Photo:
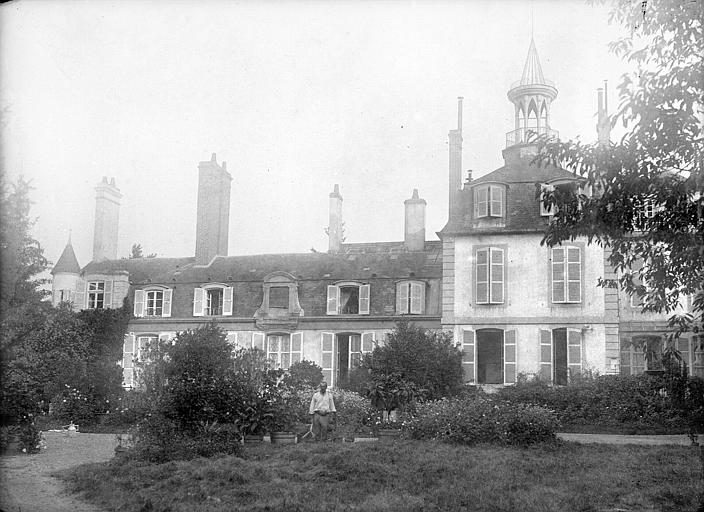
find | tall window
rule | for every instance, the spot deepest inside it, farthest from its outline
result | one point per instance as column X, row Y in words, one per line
column 213, row 300
column 155, row 303
column 283, row 350
column 410, row 298
column 640, row 354
column 98, row 295
column 488, row 201
column 490, row 276
column 348, row 299
column 566, row 275
column 152, row 302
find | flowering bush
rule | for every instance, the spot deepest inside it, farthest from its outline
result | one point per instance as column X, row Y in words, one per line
column 72, row 405
column 127, row 408
column 353, row 411
column 466, row 421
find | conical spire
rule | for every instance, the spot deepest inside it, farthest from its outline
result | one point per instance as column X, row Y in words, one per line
column 532, row 72
column 68, row 262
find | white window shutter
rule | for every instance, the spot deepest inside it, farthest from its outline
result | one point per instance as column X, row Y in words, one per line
column 401, row 298
column 327, row 348
column 296, row 347
column 138, row 303
column 198, row 295
column 333, row 294
column 510, row 354
column 81, row 295
column 468, row 356
column 574, row 352
column 417, row 298
column 546, row 355
column 368, row 342
column 496, row 285
column 364, row 292
column 128, row 351
column 227, row 301
column 482, row 276
column 166, row 303
column 558, row 271
column 258, row 340
column 107, row 297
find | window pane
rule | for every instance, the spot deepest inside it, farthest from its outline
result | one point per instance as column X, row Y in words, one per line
column 558, row 272
column 497, row 256
column 558, row 255
column 349, row 300
column 574, row 292
column 497, row 293
column 574, row 271
column 285, row 360
column 285, row 344
column 482, row 292
column 278, row 297
column 482, row 257
column 558, row 292
column 573, row 254
column 274, row 343
column 355, row 343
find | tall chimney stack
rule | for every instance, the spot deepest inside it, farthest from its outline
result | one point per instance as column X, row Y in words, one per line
column 107, row 216
column 603, row 125
column 335, row 223
column 213, row 218
column 414, row 232
column 455, row 181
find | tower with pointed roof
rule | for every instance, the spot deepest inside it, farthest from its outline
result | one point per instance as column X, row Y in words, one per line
column 66, row 276
column 531, row 97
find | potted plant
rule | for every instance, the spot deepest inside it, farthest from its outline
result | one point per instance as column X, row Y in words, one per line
column 284, row 413
column 252, row 419
column 389, row 394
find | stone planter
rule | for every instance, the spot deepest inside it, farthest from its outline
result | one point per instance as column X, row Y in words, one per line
column 253, row 438
column 388, row 434
column 283, row 437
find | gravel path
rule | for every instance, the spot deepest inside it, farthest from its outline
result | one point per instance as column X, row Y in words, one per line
column 680, row 439
column 27, row 484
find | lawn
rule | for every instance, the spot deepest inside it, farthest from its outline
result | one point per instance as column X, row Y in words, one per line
column 405, row 476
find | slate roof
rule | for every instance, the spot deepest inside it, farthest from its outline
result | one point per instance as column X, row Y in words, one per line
column 67, row 261
column 354, row 262
column 522, row 213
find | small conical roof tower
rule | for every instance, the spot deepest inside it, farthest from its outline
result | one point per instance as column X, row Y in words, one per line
column 68, row 263
column 531, row 97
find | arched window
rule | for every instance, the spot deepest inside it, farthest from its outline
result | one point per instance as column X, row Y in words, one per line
column 213, row 299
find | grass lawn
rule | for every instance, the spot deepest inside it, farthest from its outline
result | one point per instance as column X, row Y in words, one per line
column 405, row 476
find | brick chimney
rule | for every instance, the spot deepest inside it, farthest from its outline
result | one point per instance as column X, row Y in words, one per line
column 455, row 164
column 414, row 232
column 335, row 223
column 107, row 215
column 213, row 217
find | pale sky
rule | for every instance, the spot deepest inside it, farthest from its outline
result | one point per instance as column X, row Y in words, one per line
column 295, row 96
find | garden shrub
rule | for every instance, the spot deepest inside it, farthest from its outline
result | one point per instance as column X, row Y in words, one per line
column 160, row 439
column 303, row 374
column 72, row 406
column 352, row 412
column 626, row 403
column 472, row 421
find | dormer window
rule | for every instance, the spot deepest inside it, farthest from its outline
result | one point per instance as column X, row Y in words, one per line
column 348, row 299
column 488, row 201
column 212, row 300
column 152, row 302
column 279, row 297
column 410, row 298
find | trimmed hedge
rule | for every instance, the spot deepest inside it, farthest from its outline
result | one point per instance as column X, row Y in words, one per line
column 627, row 404
column 470, row 421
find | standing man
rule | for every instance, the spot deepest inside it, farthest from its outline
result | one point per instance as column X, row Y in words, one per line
column 321, row 406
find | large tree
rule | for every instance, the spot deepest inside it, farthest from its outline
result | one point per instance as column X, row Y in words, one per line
column 646, row 191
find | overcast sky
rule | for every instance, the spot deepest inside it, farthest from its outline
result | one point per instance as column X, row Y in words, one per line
column 295, row 96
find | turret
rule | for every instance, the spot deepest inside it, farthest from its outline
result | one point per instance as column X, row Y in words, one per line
column 66, row 276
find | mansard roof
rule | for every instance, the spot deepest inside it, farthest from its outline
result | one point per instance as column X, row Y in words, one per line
column 354, row 262
column 68, row 262
column 522, row 208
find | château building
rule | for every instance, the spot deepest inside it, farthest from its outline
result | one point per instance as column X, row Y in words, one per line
column 515, row 306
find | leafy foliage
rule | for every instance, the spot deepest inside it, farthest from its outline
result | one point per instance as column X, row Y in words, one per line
column 428, row 360
column 657, row 165
column 472, row 421
column 302, row 374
